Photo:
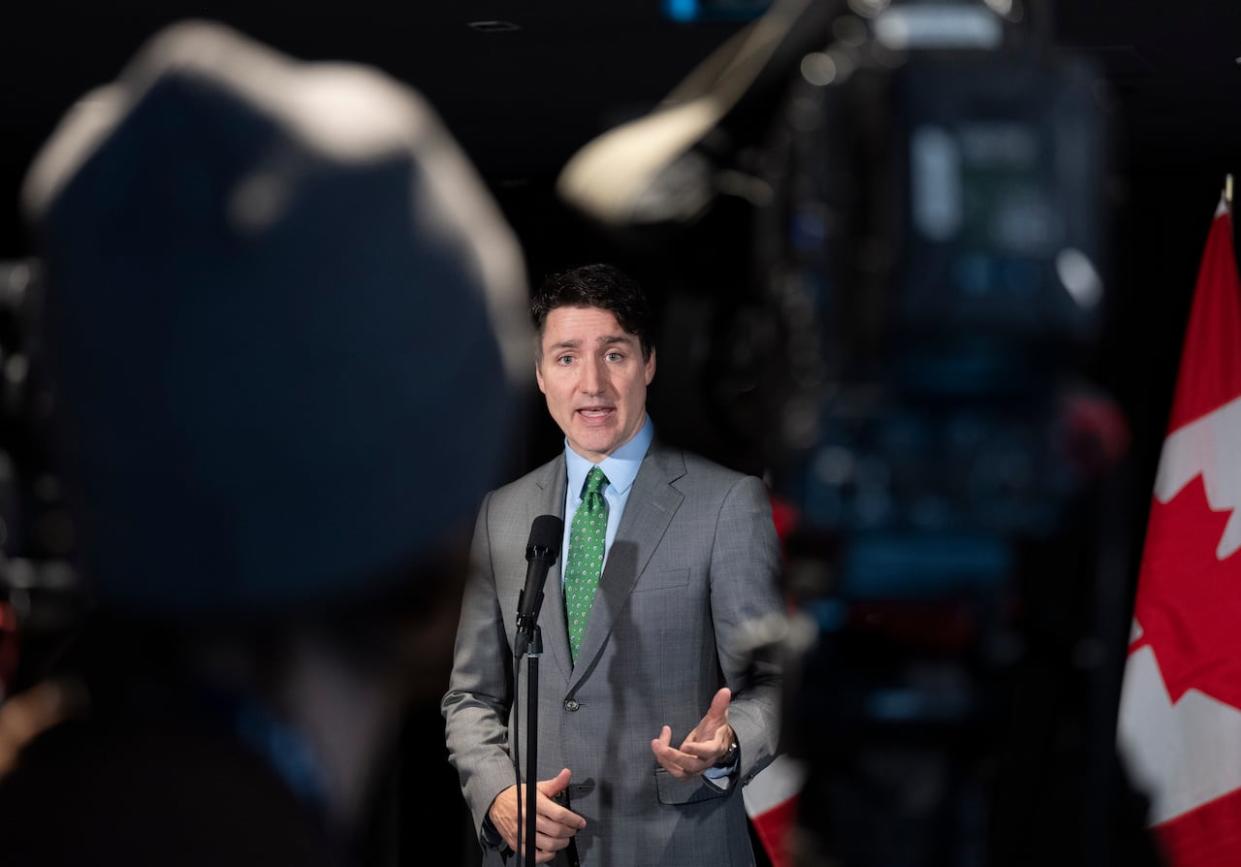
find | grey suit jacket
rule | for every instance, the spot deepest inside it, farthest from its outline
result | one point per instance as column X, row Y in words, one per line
column 690, row 573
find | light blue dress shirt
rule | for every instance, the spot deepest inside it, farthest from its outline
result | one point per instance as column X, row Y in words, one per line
column 621, row 467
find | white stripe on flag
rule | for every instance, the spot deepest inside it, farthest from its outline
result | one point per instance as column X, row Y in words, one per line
column 774, row 785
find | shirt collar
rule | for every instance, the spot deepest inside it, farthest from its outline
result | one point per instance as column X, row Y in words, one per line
column 621, row 467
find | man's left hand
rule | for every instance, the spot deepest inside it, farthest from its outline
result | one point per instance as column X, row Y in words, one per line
column 703, row 746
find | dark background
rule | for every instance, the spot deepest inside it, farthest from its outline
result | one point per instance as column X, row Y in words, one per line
column 522, row 100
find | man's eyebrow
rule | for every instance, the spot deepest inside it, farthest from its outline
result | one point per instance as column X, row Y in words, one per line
column 605, row 340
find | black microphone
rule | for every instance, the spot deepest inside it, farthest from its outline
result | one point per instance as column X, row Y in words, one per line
column 542, row 549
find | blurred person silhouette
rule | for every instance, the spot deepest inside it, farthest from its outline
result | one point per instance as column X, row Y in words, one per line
column 285, row 325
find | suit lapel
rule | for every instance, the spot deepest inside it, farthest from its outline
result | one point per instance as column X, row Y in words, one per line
column 651, row 505
column 550, row 501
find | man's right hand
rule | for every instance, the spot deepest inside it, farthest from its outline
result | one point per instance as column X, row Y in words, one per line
column 554, row 825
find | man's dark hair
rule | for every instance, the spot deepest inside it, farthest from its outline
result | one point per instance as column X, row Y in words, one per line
column 601, row 286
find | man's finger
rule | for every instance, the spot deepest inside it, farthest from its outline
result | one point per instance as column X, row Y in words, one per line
column 553, row 811
column 716, row 716
column 559, row 814
column 670, row 766
column 556, row 784
column 659, row 746
column 703, row 736
column 548, row 843
column 717, row 713
column 704, row 750
column 542, row 856
column 674, row 761
column 555, row 827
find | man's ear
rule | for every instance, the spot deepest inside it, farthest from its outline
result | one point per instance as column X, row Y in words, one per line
column 538, row 374
column 650, row 367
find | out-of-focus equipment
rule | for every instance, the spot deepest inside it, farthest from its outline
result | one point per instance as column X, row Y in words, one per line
column 925, row 189
column 40, row 591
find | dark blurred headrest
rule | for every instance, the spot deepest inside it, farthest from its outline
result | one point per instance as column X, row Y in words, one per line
column 286, row 323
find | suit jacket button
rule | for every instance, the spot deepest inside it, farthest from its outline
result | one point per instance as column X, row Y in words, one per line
column 571, row 705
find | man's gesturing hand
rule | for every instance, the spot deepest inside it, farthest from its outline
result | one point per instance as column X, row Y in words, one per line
column 554, row 825
column 703, row 746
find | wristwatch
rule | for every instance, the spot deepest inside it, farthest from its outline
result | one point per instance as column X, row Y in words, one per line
column 730, row 755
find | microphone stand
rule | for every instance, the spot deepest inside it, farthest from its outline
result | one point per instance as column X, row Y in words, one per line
column 529, row 642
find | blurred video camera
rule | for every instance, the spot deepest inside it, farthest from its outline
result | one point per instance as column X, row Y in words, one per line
column 935, row 251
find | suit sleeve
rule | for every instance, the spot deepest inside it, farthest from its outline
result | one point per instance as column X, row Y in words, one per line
column 746, row 610
column 476, row 706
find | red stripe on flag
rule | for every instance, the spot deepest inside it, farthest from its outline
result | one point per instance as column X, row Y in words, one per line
column 1207, row 836
column 773, row 828
column 1209, row 376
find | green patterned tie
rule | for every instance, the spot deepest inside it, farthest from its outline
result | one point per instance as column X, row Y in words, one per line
column 586, row 538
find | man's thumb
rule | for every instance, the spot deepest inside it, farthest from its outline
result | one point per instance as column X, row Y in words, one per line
column 556, row 784
column 717, row 713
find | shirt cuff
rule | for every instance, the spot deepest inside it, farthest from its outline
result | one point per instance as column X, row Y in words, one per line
column 723, row 778
column 491, row 837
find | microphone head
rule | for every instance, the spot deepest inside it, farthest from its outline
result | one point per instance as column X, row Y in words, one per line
column 546, row 533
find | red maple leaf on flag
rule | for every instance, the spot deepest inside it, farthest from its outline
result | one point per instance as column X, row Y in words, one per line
column 1189, row 601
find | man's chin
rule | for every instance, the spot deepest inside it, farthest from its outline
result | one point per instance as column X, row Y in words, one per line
column 602, row 448
column 596, row 430
column 594, row 446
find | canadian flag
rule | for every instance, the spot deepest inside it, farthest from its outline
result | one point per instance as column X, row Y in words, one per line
column 771, row 797
column 1180, row 709
column 771, row 803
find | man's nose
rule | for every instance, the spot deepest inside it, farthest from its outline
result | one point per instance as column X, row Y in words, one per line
column 594, row 377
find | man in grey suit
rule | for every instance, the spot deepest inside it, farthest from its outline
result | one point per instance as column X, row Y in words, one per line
column 659, row 693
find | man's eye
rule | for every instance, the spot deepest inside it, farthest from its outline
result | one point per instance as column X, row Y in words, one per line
column 564, row 360
column 615, row 356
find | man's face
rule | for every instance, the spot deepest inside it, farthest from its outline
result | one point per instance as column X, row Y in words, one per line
column 594, row 377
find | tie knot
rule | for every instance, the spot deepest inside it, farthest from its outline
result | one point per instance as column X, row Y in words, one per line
column 596, row 481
